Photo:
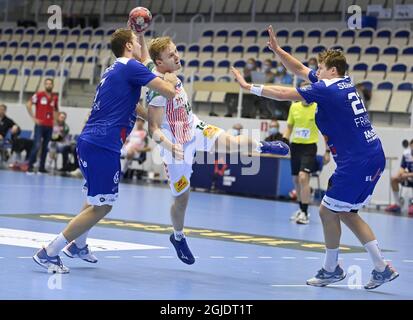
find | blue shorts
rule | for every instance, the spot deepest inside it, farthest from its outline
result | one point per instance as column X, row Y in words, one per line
column 352, row 184
column 100, row 168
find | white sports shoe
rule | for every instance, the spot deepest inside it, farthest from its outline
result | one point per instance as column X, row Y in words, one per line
column 73, row 251
column 324, row 278
column 52, row 264
column 295, row 215
column 302, row 218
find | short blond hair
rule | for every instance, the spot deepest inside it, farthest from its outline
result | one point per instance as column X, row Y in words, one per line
column 334, row 58
column 157, row 46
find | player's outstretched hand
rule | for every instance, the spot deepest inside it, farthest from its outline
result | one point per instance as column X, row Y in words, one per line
column 178, row 151
column 238, row 76
column 171, row 77
column 272, row 40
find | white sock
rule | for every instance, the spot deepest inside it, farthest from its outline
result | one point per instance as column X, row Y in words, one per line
column 373, row 249
column 331, row 260
column 179, row 235
column 54, row 247
column 396, row 197
column 81, row 240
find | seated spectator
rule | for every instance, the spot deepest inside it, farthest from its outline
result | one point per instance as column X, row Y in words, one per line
column 135, row 147
column 406, row 148
column 236, row 129
column 267, row 69
column 18, row 144
column 250, row 66
column 313, row 65
column 61, row 142
column 364, row 92
column 283, row 76
column 405, row 177
column 274, row 131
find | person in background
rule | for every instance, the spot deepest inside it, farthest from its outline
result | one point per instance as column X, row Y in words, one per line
column 46, row 103
column 6, row 124
column 250, row 66
column 274, row 131
column 406, row 148
column 135, row 147
column 404, row 176
column 236, row 129
column 365, row 92
column 60, row 142
column 303, row 129
column 282, row 76
column 267, row 69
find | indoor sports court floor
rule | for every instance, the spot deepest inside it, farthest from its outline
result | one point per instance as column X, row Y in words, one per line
column 246, row 248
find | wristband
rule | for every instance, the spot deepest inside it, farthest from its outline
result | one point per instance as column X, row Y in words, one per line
column 256, row 89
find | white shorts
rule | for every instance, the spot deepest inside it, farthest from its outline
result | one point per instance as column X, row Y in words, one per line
column 179, row 172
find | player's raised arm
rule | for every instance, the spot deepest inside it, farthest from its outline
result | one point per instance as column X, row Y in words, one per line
column 291, row 63
column 145, row 57
column 273, row 92
column 165, row 87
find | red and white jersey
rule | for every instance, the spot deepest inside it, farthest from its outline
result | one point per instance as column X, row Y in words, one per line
column 178, row 117
column 45, row 107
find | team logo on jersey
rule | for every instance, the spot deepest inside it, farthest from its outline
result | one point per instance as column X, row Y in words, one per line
column 181, row 184
column 43, row 100
column 210, row 131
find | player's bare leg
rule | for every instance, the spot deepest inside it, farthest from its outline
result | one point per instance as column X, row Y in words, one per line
column 178, row 239
column 330, row 272
column 297, row 187
column 305, row 192
column 178, row 210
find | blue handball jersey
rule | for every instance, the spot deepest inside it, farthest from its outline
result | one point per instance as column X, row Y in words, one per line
column 342, row 118
column 113, row 112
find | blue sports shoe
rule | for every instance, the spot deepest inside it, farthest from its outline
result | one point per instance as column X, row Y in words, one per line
column 378, row 278
column 52, row 264
column 324, row 278
column 274, row 147
column 182, row 250
column 73, row 251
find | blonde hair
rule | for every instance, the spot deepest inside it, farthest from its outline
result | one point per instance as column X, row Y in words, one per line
column 334, row 58
column 157, row 46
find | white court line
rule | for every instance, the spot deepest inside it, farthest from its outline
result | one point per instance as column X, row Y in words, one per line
column 112, row 257
column 24, row 257
column 408, row 261
column 165, row 257
column 289, row 258
column 264, row 257
column 139, row 257
column 388, row 260
column 312, row 258
column 240, row 257
column 360, row 259
column 308, row 286
column 1, row 257
column 216, row 257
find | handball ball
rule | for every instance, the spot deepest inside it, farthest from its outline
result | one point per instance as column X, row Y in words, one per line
column 139, row 19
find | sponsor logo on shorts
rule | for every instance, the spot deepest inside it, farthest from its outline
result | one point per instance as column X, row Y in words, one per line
column 116, row 177
column 181, row 184
column 210, row 131
column 102, row 199
column 83, row 163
